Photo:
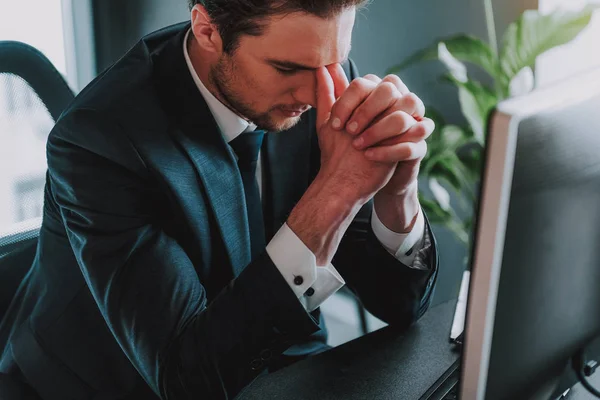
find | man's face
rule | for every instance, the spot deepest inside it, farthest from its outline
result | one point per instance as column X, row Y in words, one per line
column 270, row 79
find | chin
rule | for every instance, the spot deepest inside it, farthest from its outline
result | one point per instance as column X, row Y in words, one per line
column 281, row 124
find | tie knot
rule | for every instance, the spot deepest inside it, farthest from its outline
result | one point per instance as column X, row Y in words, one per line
column 247, row 146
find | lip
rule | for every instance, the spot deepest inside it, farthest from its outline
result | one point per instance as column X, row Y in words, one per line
column 294, row 112
column 291, row 113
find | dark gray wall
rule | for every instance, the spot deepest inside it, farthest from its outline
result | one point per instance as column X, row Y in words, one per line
column 120, row 24
column 386, row 32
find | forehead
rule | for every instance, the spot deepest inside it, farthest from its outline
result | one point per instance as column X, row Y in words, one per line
column 305, row 38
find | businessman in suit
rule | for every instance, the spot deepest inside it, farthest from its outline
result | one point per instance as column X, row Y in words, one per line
column 184, row 251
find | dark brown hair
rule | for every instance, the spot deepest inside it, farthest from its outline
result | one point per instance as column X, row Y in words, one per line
column 235, row 18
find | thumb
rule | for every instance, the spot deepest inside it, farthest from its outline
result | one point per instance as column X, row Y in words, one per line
column 325, row 95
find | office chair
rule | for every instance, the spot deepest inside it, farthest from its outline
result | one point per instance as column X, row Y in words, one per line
column 33, row 94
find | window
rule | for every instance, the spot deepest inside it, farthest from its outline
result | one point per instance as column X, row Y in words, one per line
column 575, row 57
column 24, row 120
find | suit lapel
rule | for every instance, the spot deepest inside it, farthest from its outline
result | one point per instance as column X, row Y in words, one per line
column 213, row 158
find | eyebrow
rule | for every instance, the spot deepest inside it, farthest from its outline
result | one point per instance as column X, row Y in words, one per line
column 291, row 65
column 294, row 65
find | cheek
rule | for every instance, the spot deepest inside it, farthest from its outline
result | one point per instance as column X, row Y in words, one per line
column 264, row 87
column 273, row 89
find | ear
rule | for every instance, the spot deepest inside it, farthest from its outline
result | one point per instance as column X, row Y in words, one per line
column 206, row 33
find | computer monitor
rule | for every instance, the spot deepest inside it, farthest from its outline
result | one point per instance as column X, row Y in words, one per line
column 534, row 296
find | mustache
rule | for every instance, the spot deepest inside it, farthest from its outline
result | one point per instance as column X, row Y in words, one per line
column 295, row 107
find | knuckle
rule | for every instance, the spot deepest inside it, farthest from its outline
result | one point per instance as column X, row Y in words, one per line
column 420, row 131
column 421, row 151
column 399, row 118
column 411, row 100
column 393, row 78
column 359, row 84
column 388, row 89
column 432, row 126
column 360, row 117
column 372, row 77
column 427, row 134
column 341, row 109
column 411, row 151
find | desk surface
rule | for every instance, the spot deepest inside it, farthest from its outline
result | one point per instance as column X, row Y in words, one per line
column 380, row 365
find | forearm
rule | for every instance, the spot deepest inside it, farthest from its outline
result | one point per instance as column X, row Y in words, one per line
column 321, row 218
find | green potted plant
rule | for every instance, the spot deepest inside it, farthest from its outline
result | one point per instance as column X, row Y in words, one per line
column 455, row 152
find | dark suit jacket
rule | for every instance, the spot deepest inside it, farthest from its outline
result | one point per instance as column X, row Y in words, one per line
column 143, row 283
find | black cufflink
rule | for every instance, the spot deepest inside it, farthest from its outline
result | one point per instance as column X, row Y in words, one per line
column 298, row 280
column 408, row 253
column 266, row 354
column 310, row 292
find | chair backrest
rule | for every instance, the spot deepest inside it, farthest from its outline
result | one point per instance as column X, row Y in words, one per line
column 33, row 94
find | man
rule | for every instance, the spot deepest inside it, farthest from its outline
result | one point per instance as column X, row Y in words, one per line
column 176, row 261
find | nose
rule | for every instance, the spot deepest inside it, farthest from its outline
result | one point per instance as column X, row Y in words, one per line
column 306, row 90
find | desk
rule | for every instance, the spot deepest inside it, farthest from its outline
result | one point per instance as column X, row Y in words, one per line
column 381, row 365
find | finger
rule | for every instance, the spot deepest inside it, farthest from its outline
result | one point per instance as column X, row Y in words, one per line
column 410, row 103
column 325, row 95
column 388, row 127
column 381, row 99
column 355, row 94
column 373, row 78
column 340, row 80
column 370, row 77
column 396, row 81
column 420, row 131
column 398, row 153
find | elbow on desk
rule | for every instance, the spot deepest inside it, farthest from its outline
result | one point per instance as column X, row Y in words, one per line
column 402, row 309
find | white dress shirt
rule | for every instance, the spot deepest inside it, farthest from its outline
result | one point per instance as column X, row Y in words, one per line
column 289, row 254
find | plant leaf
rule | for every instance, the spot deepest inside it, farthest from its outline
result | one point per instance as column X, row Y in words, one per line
column 440, row 194
column 457, row 69
column 533, row 34
column 435, row 213
column 463, row 47
column 522, row 83
column 436, row 116
column 427, row 54
column 438, row 216
column 476, row 102
column 471, row 156
column 434, row 143
column 446, row 169
column 453, row 137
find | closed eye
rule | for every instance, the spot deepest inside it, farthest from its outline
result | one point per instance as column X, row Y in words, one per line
column 285, row 71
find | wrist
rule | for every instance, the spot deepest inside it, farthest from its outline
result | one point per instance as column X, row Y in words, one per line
column 398, row 212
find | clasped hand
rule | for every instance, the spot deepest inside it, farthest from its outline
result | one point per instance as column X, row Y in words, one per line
column 371, row 131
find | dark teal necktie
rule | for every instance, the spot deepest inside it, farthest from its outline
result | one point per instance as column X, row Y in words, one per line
column 247, row 146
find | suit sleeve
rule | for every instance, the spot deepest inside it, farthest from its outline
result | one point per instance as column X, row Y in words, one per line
column 144, row 284
column 397, row 294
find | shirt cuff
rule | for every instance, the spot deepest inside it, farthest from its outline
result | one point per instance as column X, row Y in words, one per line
column 403, row 246
column 312, row 284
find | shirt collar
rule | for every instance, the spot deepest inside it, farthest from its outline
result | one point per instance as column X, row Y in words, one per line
column 230, row 124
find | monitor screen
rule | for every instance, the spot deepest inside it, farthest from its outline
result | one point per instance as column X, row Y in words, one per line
column 534, row 296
